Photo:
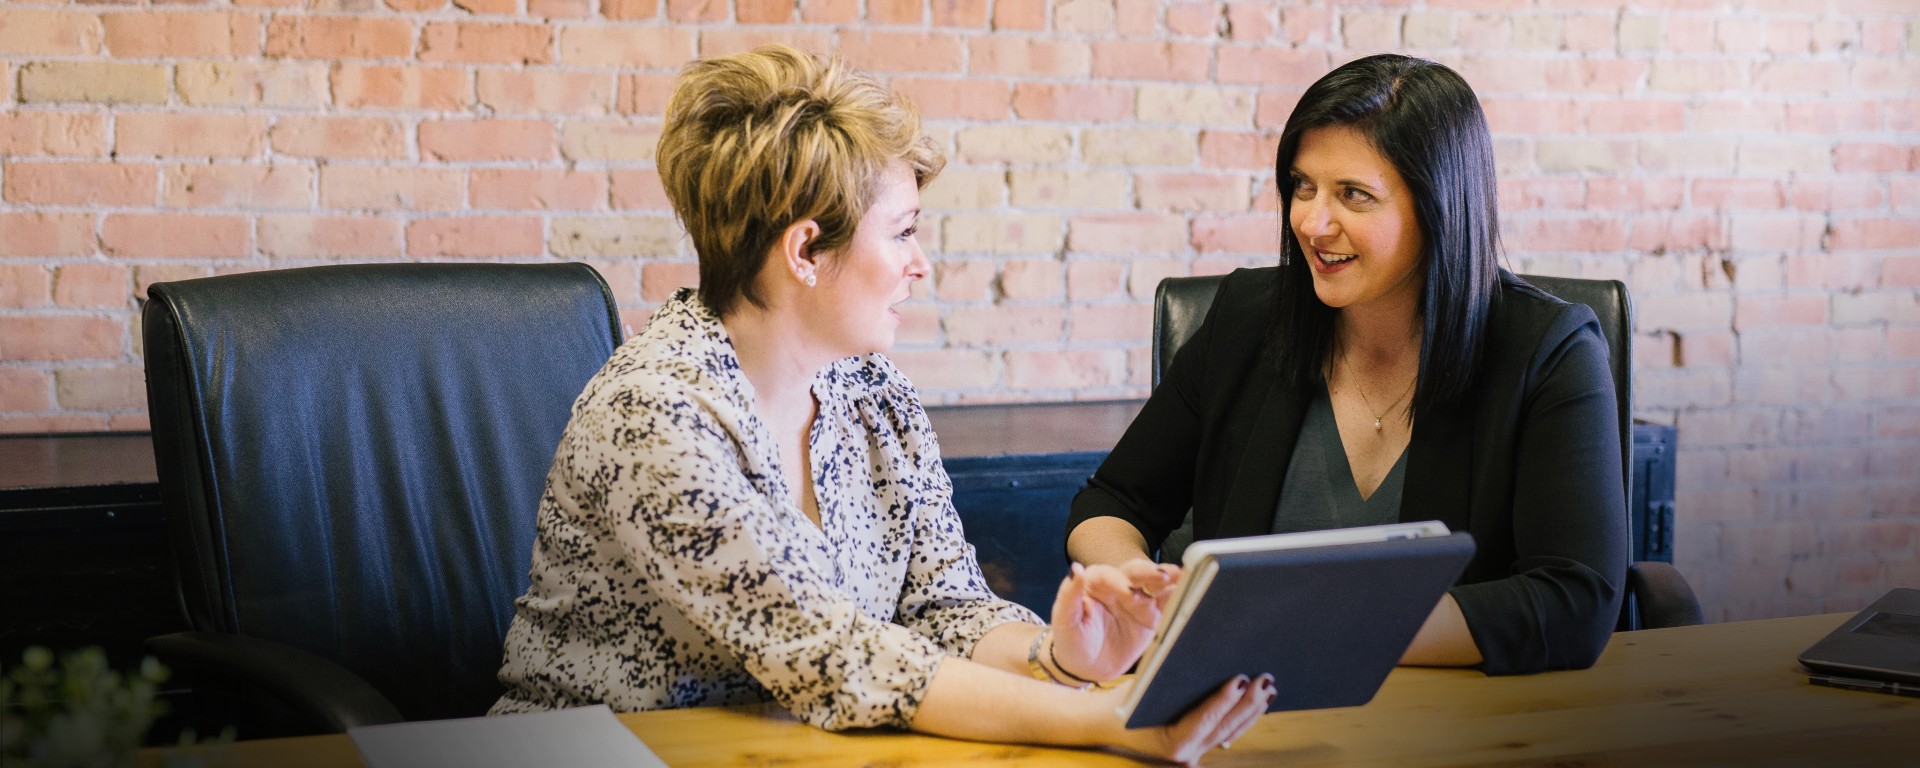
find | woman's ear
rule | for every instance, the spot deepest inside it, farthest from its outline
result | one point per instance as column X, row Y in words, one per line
column 797, row 252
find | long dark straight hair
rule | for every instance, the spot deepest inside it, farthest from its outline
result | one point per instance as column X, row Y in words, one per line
column 1426, row 121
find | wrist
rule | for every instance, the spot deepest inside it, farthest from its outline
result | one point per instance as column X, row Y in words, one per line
column 1053, row 658
column 1039, row 669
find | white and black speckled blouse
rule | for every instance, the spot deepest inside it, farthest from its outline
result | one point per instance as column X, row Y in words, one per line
column 671, row 568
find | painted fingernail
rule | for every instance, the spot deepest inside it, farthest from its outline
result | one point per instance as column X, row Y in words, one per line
column 1240, row 684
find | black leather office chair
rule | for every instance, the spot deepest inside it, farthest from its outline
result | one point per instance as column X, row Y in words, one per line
column 351, row 458
column 1657, row 595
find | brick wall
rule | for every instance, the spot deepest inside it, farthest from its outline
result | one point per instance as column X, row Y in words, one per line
column 1747, row 166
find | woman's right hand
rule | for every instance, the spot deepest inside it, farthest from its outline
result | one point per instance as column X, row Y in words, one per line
column 1215, row 722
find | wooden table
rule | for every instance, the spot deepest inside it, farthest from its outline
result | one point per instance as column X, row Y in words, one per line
column 1714, row 695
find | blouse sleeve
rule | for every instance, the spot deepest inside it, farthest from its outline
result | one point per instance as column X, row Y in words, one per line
column 681, row 507
column 946, row 596
column 1558, row 609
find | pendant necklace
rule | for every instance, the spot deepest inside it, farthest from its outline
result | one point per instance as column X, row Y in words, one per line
column 1369, row 403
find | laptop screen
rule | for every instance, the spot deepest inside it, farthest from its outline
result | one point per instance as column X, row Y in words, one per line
column 1895, row 625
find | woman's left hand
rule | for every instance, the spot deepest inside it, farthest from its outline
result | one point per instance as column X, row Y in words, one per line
column 1104, row 616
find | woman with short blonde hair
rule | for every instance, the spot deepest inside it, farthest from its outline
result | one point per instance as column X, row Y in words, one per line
column 748, row 502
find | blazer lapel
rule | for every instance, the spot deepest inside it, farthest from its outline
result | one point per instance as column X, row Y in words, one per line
column 1440, row 468
column 1255, row 490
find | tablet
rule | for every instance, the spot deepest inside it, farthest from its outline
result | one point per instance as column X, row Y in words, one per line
column 1878, row 649
column 1328, row 613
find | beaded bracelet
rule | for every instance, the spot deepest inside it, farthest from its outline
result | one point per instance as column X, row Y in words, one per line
column 1040, row 671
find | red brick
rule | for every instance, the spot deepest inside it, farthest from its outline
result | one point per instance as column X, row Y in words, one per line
column 1573, row 235
column 1521, row 194
column 960, row 13
column 1673, row 233
column 1900, row 272
column 1134, row 18
column 1028, row 57
column 48, row 32
column 63, row 134
column 476, row 236
column 1032, row 16
column 168, row 34
column 880, row 51
column 997, row 326
column 147, row 134
column 1072, row 101
column 1031, row 279
column 339, row 37
column 537, row 189
column 643, row 94
column 487, row 43
column 1111, row 322
column 97, row 184
column 1250, row 21
column 1240, row 233
column 252, row 186
column 109, row 388
column 697, row 10
column 1738, row 193
column 1150, row 60
column 1874, row 233
column 407, row 87
column 623, row 47
column 720, row 41
column 911, row 12
column 970, row 99
column 1851, row 157
column 338, row 137
column 1096, row 280
column 1825, row 195
column 40, row 233
column 24, row 286
column 25, row 389
column 1270, row 65
column 1532, row 116
column 963, row 279
column 329, row 237
column 93, row 286
column 488, row 6
column 1834, row 271
column 469, row 140
column 1128, row 233
column 1238, row 150
column 1903, row 343
column 937, row 369
column 1195, row 19
column 1179, row 191
column 637, row 189
column 560, row 9
column 764, row 11
column 1636, row 116
column 548, row 94
column 625, row 10
column 1066, row 369
column 658, row 280
column 175, row 235
column 392, row 188
column 1307, row 25
column 60, row 338
column 1830, row 116
column 1144, row 275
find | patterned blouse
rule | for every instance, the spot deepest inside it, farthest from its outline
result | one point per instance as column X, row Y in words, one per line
column 672, row 569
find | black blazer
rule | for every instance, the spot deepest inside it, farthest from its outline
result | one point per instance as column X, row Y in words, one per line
column 1530, row 465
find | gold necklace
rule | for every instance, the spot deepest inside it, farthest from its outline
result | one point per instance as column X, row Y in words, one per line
column 1369, row 403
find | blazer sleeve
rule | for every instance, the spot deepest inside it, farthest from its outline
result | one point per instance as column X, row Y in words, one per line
column 1558, row 608
column 1147, row 480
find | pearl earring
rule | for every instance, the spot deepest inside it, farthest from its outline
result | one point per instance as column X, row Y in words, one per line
column 811, row 280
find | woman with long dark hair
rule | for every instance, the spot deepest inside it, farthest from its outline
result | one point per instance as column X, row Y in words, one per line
column 1389, row 369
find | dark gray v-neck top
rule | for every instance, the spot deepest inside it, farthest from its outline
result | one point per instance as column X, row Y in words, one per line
column 1319, row 492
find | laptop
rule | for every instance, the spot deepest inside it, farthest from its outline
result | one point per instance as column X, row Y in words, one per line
column 1876, row 650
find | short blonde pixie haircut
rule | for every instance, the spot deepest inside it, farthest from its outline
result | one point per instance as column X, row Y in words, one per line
column 759, row 141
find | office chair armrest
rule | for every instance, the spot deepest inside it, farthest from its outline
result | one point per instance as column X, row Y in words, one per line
column 326, row 694
column 1665, row 598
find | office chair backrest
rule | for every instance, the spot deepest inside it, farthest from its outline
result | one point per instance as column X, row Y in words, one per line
column 1181, row 303
column 352, row 456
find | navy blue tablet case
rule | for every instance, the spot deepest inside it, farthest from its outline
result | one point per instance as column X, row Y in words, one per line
column 1329, row 622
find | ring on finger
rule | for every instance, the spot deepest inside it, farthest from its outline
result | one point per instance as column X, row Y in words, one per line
column 1226, row 745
